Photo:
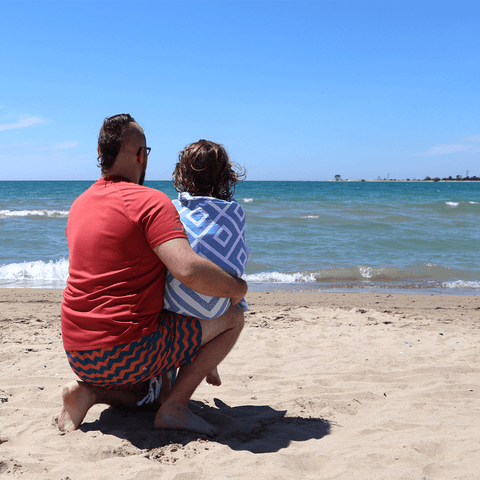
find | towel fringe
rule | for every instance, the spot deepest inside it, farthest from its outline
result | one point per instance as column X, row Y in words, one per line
column 154, row 388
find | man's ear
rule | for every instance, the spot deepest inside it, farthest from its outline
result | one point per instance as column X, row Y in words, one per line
column 98, row 150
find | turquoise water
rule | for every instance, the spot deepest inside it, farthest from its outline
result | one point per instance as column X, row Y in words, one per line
column 349, row 235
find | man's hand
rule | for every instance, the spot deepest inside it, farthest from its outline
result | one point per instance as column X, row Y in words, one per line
column 235, row 300
column 198, row 273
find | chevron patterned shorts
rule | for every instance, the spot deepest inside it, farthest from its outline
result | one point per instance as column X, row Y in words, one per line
column 130, row 366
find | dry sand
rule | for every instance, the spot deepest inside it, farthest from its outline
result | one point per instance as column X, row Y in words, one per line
column 319, row 386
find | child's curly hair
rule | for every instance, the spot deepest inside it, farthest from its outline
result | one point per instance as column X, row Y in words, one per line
column 204, row 170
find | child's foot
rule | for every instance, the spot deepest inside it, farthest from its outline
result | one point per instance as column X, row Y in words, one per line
column 213, row 378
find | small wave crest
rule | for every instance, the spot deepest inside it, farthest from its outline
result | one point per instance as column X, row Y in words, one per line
column 38, row 274
column 419, row 276
column 248, row 200
column 453, row 204
column 330, row 275
column 362, row 273
column 278, row 277
column 34, row 213
column 461, row 284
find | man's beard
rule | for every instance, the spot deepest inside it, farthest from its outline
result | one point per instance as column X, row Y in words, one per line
column 142, row 176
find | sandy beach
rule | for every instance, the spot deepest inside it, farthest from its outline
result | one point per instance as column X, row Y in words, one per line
column 319, row 386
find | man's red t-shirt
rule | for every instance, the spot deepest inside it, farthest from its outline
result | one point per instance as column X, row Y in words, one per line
column 115, row 286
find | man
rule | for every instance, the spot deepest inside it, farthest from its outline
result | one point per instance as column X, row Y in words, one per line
column 122, row 237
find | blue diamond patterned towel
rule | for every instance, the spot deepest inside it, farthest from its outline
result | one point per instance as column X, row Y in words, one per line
column 215, row 230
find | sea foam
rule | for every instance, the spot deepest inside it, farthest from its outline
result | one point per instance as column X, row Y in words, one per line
column 34, row 213
column 37, row 274
column 461, row 284
column 278, row 277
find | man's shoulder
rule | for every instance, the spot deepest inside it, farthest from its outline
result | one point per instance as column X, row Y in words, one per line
column 85, row 195
column 123, row 188
column 139, row 200
column 142, row 191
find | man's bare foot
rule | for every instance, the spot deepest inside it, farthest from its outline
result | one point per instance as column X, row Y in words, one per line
column 77, row 400
column 179, row 417
column 213, row 378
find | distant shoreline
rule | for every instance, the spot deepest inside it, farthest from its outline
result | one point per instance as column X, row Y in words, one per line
column 392, row 180
column 410, row 181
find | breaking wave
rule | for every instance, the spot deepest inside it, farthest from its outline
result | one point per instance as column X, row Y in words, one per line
column 38, row 274
column 34, row 213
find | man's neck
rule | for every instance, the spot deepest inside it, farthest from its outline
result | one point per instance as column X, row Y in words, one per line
column 117, row 174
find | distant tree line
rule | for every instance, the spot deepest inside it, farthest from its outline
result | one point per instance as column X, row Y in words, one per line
column 458, row 178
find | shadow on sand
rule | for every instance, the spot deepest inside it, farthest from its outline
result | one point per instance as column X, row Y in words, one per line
column 258, row 429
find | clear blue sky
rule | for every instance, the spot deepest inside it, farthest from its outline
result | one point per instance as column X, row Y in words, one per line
column 294, row 90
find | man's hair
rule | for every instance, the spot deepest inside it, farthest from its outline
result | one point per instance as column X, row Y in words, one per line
column 203, row 169
column 110, row 138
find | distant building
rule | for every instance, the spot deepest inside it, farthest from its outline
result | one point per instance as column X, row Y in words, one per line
column 338, row 177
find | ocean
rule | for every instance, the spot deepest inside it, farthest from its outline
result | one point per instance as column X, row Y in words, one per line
column 344, row 236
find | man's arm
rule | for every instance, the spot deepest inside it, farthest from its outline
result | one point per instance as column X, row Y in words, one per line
column 198, row 273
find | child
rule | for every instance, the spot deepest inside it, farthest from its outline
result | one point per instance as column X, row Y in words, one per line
column 213, row 220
